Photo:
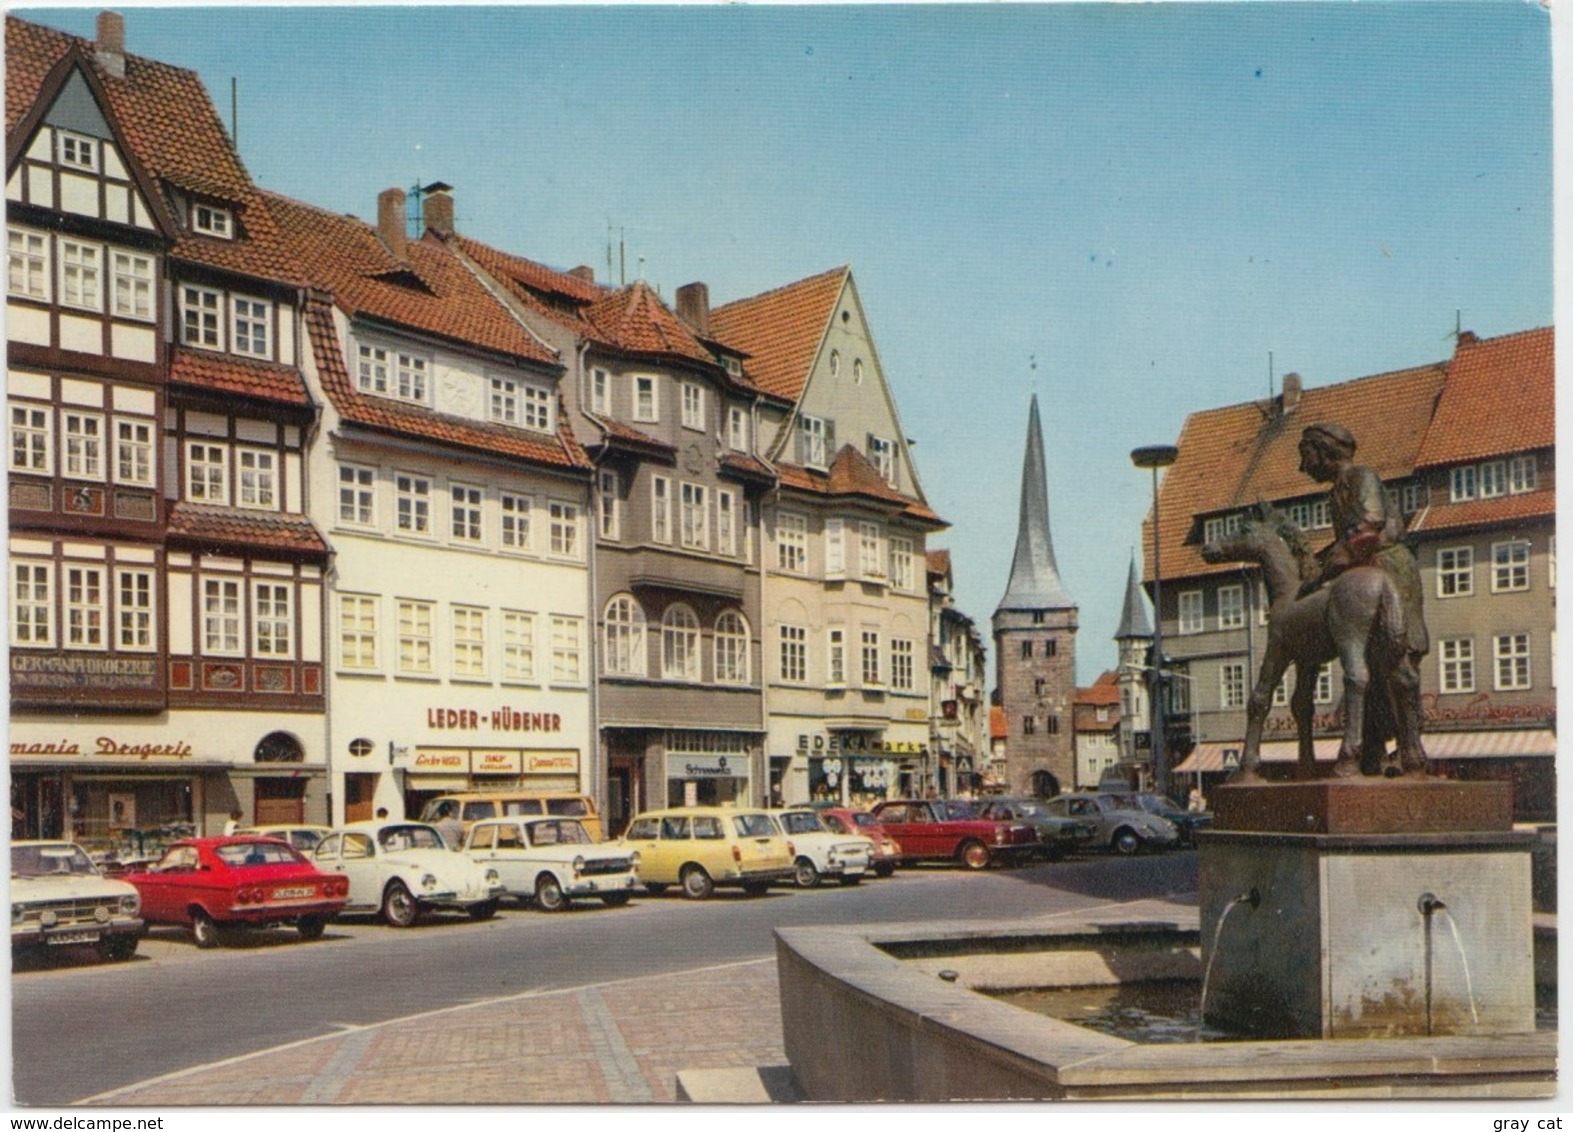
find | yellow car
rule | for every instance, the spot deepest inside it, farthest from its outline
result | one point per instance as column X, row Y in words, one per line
column 702, row 847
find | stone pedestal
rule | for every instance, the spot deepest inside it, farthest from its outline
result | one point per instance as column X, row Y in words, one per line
column 1367, row 908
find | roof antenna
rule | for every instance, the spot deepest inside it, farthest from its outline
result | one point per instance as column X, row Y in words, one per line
column 1272, row 381
column 234, row 112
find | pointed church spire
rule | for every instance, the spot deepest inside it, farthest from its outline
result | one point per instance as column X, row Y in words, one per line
column 1034, row 577
column 1133, row 618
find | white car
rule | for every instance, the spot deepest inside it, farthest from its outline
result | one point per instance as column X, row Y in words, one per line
column 552, row 860
column 821, row 853
column 401, row 869
column 59, row 898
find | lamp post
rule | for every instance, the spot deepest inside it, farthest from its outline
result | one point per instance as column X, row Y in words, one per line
column 1155, row 456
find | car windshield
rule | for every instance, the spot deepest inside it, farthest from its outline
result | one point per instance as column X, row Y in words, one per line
column 1151, row 803
column 957, row 811
column 250, row 854
column 397, row 838
column 50, row 860
column 802, row 822
column 865, row 820
column 754, row 825
column 558, row 833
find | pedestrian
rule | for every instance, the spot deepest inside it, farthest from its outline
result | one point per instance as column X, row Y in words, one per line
column 233, row 823
column 448, row 824
column 1195, row 802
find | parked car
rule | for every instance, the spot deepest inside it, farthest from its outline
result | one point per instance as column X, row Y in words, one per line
column 1120, row 827
column 211, row 883
column 706, row 847
column 1187, row 822
column 1058, row 834
column 401, row 869
column 478, row 805
column 887, row 850
column 949, row 829
column 551, row 861
column 301, row 837
column 59, row 898
column 822, row 853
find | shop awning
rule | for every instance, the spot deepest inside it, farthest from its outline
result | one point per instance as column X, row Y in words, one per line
column 118, row 766
column 1212, row 758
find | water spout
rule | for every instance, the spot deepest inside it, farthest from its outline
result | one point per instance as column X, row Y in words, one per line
column 1254, row 899
column 1429, row 906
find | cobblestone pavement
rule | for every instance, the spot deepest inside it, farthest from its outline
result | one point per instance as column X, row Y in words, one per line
column 611, row 1043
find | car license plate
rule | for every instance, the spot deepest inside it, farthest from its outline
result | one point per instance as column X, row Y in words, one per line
column 293, row 893
column 72, row 937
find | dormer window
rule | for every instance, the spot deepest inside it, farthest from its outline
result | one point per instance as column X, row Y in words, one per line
column 882, row 454
column 737, row 429
column 210, row 220
column 78, row 152
column 391, row 373
column 812, row 440
column 734, row 366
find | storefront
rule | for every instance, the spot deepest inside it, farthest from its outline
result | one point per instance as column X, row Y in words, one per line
column 709, row 768
column 860, row 768
column 430, row 771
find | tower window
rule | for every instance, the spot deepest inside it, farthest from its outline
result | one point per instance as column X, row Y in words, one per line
column 1050, row 647
column 1026, row 650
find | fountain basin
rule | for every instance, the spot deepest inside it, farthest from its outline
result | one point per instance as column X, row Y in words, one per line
column 866, row 1017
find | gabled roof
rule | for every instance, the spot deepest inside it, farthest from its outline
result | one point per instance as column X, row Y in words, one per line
column 240, row 527
column 997, row 727
column 851, row 474
column 636, row 320
column 781, row 330
column 227, row 374
column 1499, row 399
column 553, row 294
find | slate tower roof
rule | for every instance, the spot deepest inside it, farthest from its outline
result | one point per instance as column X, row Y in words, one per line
column 1034, row 577
column 1133, row 618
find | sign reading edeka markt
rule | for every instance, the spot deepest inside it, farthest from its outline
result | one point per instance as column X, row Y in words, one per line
column 96, row 672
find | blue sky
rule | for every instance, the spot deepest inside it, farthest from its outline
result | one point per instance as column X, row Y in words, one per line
column 1146, row 199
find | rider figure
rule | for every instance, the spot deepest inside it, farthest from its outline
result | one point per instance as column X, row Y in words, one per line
column 1369, row 532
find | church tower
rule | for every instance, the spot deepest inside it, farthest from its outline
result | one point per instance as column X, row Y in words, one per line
column 1035, row 644
column 1134, row 638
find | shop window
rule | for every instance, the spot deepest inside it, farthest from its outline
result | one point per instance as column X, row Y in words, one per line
column 279, row 747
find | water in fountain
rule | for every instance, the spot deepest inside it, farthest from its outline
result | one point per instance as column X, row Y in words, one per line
column 1254, row 899
column 1469, row 983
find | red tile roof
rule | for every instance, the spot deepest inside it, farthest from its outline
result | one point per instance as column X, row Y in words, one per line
column 852, row 474
column 616, row 431
column 997, row 727
column 224, row 373
column 237, row 527
column 635, row 319
column 745, row 466
column 382, row 413
column 938, row 561
column 1499, row 399
column 560, row 287
column 781, row 330
column 1487, row 512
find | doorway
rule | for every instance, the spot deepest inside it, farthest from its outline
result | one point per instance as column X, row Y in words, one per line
column 622, row 786
column 359, row 791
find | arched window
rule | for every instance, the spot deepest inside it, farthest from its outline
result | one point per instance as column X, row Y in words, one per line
column 679, row 643
column 731, row 648
column 625, row 648
column 279, row 747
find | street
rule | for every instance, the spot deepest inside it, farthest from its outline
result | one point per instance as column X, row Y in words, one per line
column 173, row 1006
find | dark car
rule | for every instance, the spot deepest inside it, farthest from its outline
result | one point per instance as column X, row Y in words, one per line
column 949, row 829
column 1186, row 821
column 1059, row 835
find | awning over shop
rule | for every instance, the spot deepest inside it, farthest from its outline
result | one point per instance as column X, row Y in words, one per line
column 1212, row 758
column 122, row 766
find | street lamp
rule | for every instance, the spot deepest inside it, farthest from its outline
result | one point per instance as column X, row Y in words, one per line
column 1155, row 456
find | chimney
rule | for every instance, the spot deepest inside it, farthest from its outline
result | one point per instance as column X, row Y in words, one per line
column 111, row 46
column 390, row 220
column 1292, row 391
column 584, row 272
column 693, row 306
column 438, row 209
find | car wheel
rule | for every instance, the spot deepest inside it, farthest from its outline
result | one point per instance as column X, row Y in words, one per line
column 204, row 932
column 655, row 889
column 118, row 947
column 549, row 894
column 615, row 899
column 697, row 884
column 1126, row 841
column 485, row 910
column 311, row 927
column 974, row 854
column 399, row 908
column 850, row 881
column 806, row 875
column 885, row 869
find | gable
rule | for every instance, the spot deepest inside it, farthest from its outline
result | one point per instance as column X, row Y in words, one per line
column 76, row 109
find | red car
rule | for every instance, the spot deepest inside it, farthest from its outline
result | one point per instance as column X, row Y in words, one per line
column 214, row 882
column 887, row 850
column 949, row 829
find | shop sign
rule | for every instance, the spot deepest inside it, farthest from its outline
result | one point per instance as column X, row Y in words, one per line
column 706, row 766
column 816, row 746
column 503, row 719
column 494, row 762
column 101, row 672
column 440, row 762
column 1477, row 710
column 557, row 762
column 105, row 746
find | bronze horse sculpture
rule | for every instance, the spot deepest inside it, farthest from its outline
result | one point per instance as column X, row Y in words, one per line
column 1357, row 618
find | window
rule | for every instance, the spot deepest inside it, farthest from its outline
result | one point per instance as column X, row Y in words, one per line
column 32, row 604
column 221, row 617
column 1029, row 725
column 1026, row 650
column 84, row 446
column 1191, row 611
column 695, row 517
column 1462, row 483
column 79, row 275
column 1222, row 527
column 1492, row 479
column 1521, row 475
column 78, row 152
column 794, row 654
column 836, row 669
column 901, row 665
column 679, row 643
column 134, row 453
column 410, row 378
column 693, row 406
column 271, row 623
column 257, row 476
column 1456, row 660
column 211, row 221
column 901, row 576
column 1231, row 685
column 1050, row 646
column 1509, row 566
column 811, row 441
column 611, row 504
column 645, row 408
column 465, row 512
column 624, row 632
column 567, row 648
column 371, row 371
column 792, row 543
column 1281, row 693
column 30, row 439
column 835, row 548
column 1040, row 686
column 1180, row 695
column 415, row 640
column 725, row 522
column 1051, row 724
column 1412, row 497
column 1512, row 653
column 870, row 659
column 201, row 318
column 731, row 648
column 469, row 642
column 357, row 495
column 600, row 391
column 1455, row 571
column 206, row 473
column 871, row 558
column 131, row 284
column 358, row 632
column 660, row 509
column 250, row 324
column 537, row 407
column 1231, row 607
column 1324, row 684
column 412, row 504
column 882, row 454
column 737, row 429
column 504, row 404
column 27, row 264
column 515, row 521
column 518, row 646
column 835, row 362
column 563, row 529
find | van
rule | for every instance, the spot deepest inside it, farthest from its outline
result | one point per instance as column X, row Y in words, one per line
column 479, row 805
